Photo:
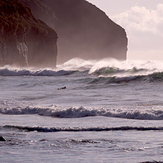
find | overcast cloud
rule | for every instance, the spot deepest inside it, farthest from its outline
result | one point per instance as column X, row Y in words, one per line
column 144, row 28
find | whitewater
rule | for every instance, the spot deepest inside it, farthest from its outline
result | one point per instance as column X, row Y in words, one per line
column 82, row 111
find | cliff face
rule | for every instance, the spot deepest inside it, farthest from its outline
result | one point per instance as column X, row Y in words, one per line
column 84, row 30
column 24, row 40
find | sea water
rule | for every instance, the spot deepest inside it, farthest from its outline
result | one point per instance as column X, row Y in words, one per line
column 82, row 111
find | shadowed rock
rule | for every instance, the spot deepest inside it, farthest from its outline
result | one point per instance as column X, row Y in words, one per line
column 2, row 139
column 83, row 29
column 24, row 40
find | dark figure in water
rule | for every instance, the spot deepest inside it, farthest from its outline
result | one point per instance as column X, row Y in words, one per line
column 62, row 88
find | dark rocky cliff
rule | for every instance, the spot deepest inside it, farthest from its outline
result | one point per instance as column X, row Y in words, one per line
column 83, row 29
column 24, row 40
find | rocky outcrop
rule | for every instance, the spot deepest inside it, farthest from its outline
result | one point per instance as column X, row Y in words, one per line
column 2, row 139
column 25, row 40
column 83, row 29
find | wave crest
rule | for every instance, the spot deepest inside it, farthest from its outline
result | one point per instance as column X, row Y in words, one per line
column 156, row 76
column 8, row 71
column 128, row 113
column 115, row 71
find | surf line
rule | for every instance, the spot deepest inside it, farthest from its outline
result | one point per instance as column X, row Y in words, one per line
column 78, row 129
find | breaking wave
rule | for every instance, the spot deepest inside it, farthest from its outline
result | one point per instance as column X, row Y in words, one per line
column 127, row 71
column 80, row 129
column 105, row 71
column 156, row 76
column 111, row 71
column 8, row 71
column 114, row 78
column 151, row 113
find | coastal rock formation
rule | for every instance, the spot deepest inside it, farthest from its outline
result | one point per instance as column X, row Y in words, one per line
column 2, row 139
column 83, row 30
column 25, row 40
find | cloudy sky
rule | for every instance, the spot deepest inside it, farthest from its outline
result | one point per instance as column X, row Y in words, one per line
column 143, row 22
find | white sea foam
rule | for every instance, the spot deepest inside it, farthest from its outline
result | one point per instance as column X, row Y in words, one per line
column 150, row 113
column 127, row 65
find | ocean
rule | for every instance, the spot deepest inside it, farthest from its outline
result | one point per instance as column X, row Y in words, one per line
column 82, row 111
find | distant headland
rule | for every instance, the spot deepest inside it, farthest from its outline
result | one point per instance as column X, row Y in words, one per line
column 42, row 33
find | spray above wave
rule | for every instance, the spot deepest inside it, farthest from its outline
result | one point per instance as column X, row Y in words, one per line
column 152, row 113
column 108, row 67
